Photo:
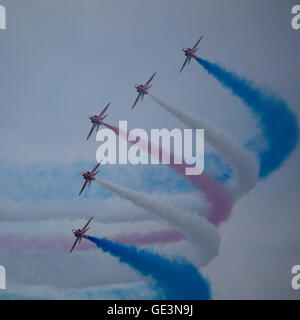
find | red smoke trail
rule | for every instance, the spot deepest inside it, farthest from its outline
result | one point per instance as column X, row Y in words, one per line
column 60, row 243
column 216, row 193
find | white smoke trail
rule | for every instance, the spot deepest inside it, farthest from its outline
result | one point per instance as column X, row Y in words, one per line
column 115, row 291
column 198, row 230
column 111, row 209
column 244, row 163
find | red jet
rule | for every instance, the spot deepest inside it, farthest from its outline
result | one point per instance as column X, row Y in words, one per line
column 189, row 53
column 97, row 121
column 89, row 177
column 80, row 233
column 142, row 89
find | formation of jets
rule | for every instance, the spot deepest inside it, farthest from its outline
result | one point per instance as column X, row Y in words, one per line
column 97, row 121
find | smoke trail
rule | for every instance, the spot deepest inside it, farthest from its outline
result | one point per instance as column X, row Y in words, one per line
column 154, row 237
column 198, row 230
column 60, row 243
column 56, row 243
column 278, row 123
column 121, row 291
column 244, row 163
column 178, row 280
column 216, row 194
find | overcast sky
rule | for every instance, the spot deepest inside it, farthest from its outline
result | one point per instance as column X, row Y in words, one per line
column 62, row 60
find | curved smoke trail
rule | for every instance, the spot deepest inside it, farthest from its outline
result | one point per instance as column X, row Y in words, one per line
column 154, row 237
column 198, row 230
column 243, row 162
column 178, row 280
column 218, row 195
column 278, row 123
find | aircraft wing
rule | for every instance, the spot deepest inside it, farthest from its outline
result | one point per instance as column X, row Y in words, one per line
column 103, row 111
column 148, row 87
column 97, row 166
column 84, row 185
column 186, row 60
column 96, row 172
column 194, row 47
column 74, row 244
column 136, row 100
column 91, row 131
column 103, row 117
column 86, row 230
column 83, row 229
column 150, row 78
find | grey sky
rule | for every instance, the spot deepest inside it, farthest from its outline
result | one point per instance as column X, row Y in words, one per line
column 62, row 60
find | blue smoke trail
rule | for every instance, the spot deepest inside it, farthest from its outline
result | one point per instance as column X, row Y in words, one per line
column 278, row 123
column 177, row 280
